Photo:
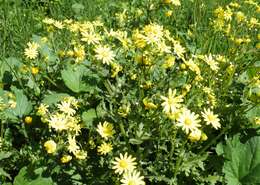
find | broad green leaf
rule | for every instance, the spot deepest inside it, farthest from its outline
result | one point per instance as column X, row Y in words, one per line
column 88, row 117
column 54, row 98
column 23, row 106
column 72, row 78
column 29, row 177
column 243, row 161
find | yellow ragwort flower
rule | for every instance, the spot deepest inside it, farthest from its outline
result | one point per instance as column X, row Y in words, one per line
column 50, row 146
column 124, row 163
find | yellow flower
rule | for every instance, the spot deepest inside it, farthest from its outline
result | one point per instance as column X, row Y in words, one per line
column 168, row 13
column 35, row 70
column 213, row 64
column 65, row 107
column 105, row 148
column 240, row 16
column 66, row 159
column 148, row 104
column 153, row 33
column 211, row 119
column 188, row 121
column 106, row 130
column 50, row 146
column 169, row 62
column 72, row 147
column 48, row 21
column 174, row 2
column 58, row 122
column 42, row 109
column 116, row 68
column 132, row 178
column 124, row 163
column 28, row 120
column 31, row 51
column 58, row 24
column 178, row 49
column 172, row 102
column 80, row 154
column 79, row 53
column 195, row 135
column 105, row 54
column 90, row 37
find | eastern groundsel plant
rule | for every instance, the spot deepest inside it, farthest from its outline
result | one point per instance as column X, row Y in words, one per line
column 133, row 103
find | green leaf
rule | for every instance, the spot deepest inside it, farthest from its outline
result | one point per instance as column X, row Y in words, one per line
column 77, row 8
column 23, row 106
column 88, row 117
column 54, row 98
column 4, row 173
column 243, row 161
column 72, row 78
column 32, row 177
column 4, row 155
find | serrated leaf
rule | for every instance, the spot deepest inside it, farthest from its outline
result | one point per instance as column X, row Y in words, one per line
column 243, row 161
column 23, row 106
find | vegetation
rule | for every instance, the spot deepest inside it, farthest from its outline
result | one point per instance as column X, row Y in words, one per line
column 129, row 92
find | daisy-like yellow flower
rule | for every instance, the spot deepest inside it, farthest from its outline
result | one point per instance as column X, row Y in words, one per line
column 106, row 130
column 213, row 64
column 42, row 109
column 132, row 178
column 124, row 163
column 211, row 119
column 58, row 122
column 178, row 49
column 31, row 51
column 105, row 148
column 90, row 37
column 72, row 147
column 65, row 107
column 66, row 159
column 188, row 121
column 105, row 54
column 50, row 146
column 80, row 154
column 172, row 102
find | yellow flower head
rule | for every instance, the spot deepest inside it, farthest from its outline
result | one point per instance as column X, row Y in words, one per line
column 66, row 159
column 65, row 107
column 211, row 119
column 195, row 135
column 124, row 163
column 105, row 54
column 42, row 109
column 31, row 51
column 106, row 130
column 172, row 102
column 188, row 121
column 105, row 148
column 50, row 146
column 80, row 154
column 132, row 178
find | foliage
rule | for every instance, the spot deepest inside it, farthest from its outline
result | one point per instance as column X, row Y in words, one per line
column 129, row 92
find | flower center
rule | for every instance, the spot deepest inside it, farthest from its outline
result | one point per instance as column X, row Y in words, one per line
column 187, row 122
column 123, row 164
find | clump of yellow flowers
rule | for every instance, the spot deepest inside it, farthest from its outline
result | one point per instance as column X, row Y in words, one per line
column 64, row 120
